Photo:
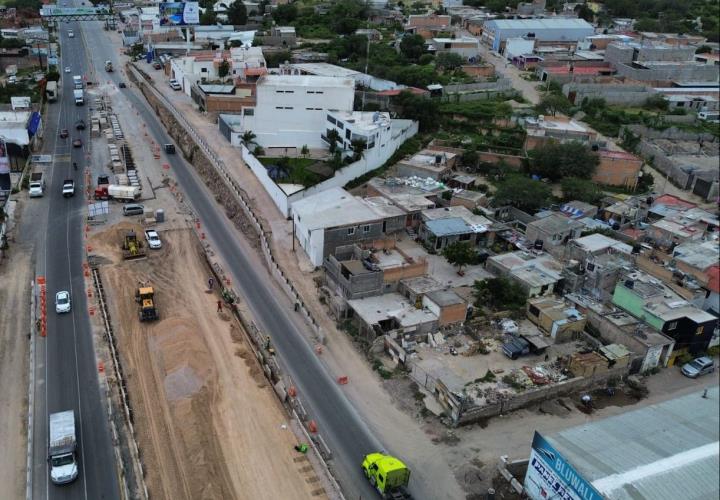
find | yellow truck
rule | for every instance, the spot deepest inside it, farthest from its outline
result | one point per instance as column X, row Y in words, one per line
column 388, row 475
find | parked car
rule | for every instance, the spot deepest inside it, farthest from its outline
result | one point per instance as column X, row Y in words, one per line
column 157, row 65
column 77, row 143
column 175, row 85
column 153, row 239
column 698, row 367
column 133, row 209
column 62, row 302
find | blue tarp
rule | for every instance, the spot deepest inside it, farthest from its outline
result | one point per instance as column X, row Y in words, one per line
column 34, row 124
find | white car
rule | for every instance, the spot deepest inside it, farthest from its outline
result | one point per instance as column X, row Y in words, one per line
column 175, row 85
column 62, row 302
column 153, row 239
column 67, row 69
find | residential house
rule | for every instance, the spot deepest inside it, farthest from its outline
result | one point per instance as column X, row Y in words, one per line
column 544, row 129
column 553, row 230
column 618, row 168
column 648, row 299
column 217, row 98
column 443, row 226
column 333, row 218
column 621, row 213
column 410, row 195
column 362, row 80
column 430, row 163
column 562, row 322
column 691, row 225
column 392, row 314
column 592, row 245
column 539, row 275
column 466, row 47
column 447, row 305
column 292, row 110
column 468, row 199
column 281, row 36
column 426, row 25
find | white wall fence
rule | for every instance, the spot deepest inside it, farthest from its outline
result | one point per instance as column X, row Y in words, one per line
column 346, row 174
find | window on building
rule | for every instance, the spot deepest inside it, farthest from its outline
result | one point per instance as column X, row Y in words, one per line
column 203, row 70
column 366, row 228
column 350, row 231
column 700, row 330
column 544, row 289
column 248, row 111
column 347, row 134
column 672, row 325
column 340, row 125
column 534, row 310
column 331, row 119
column 465, row 237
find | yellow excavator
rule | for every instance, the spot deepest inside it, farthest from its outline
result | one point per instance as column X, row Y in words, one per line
column 145, row 297
column 133, row 248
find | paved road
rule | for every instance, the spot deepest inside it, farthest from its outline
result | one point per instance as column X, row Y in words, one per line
column 66, row 370
column 347, row 435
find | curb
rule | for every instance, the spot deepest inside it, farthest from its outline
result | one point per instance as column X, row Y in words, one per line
column 31, row 398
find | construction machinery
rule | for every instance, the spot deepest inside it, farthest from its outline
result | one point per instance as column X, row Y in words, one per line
column 133, row 248
column 388, row 475
column 145, row 297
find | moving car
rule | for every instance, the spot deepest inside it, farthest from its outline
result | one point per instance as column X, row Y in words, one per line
column 153, row 239
column 67, row 69
column 77, row 143
column 71, row 34
column 133, row 209
column 80, row 125
column 697, row 367
column 62, row 302
column 68, row 188
column 64, row 133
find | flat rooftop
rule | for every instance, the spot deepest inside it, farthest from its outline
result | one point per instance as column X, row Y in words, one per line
column 331, row 208
column 373, row 310
column 664, row 451
column 326, row 69
column 305, row 81
column 597, row 242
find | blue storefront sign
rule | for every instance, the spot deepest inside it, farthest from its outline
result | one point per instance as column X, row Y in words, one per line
column 34, row 124
column 550, row 476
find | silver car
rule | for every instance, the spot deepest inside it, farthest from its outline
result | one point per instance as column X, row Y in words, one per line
column 697, row 367
column 62, row 302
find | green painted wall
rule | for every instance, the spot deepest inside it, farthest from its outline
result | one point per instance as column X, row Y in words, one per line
column 634, row 304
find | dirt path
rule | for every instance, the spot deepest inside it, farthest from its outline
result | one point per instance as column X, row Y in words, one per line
column 15, row 276
column 209, row 425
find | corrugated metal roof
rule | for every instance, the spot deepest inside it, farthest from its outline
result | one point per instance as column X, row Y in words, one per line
column 447, row 227
column 538, row 24
column 664, row 451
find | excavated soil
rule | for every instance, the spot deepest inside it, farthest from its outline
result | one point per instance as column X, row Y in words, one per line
column 208, row 424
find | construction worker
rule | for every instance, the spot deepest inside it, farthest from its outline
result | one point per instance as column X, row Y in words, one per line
column 586, row 400
column 302, row 448
column 219, row 302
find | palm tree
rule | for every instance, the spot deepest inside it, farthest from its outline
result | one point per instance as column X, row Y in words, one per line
column 333, row 137
column 358, row 147
column 304, row 151
column 248, row 137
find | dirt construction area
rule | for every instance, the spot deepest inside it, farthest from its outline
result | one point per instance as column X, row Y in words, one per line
column 208, row 423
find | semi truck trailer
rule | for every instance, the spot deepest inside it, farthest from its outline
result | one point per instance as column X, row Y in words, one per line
column 62, row 447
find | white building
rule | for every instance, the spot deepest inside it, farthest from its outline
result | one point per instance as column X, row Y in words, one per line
column 466, row 47
column 291, row 110
column 373, row 128
column 246, row 64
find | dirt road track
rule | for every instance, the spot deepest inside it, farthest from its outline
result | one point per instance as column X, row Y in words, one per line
column 208, row 423
column 15, row 276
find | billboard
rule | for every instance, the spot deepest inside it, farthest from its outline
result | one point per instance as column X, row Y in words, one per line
column 53, row 10
column 179, row 13
column 550, row 476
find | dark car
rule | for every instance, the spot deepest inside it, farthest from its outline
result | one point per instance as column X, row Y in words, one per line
column 64, row 133
column 77, row 143
column 122, row 85
column 80, row 125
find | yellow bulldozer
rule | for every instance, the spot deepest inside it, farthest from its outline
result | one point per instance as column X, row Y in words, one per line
column 133, row 248
column 145, row 297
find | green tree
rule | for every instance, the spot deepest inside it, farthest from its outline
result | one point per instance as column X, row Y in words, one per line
column 248, row 137
column 237, row 13
column 460, row 254
column 422, row 109
column 581, row 189
column 584, row 12
column 522, row 192
column 448, row 61
column 470, row 158
column 426, row 59
column 209, row 17
column 703, row 49
column 333, row 137
column 224, row 68
column 358, row 147
column 285, row 14
column 304, row 151
column 499, row 294
column 52, row 76
column 553, row 104
column 412, row 47
column 657, row 102
column 556, row 160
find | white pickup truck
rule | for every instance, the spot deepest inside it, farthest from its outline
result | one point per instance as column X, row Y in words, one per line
column 153, row 239
column 68, row 188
